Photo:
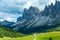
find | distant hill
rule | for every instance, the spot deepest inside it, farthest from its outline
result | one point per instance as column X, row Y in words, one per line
column 6, row 24
column 5, row 32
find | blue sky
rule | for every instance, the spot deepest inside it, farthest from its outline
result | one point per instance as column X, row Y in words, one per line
column 11, row 9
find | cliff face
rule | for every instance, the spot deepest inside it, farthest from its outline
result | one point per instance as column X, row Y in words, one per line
column 33, row 18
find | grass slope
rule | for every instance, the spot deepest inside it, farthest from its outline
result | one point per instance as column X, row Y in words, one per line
column 39, row 36
column 46, row 36
column 53, row 34
column 5, row 32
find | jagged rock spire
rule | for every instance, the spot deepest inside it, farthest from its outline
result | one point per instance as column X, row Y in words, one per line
column 56, row 1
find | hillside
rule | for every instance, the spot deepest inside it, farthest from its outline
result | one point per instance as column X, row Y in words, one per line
column 39, row 36
column 8, row 34
column 5, row 32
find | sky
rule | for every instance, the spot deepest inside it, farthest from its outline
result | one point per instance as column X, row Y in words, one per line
column 10, row 10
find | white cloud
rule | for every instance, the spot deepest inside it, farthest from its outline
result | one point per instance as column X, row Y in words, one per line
column 21, row 4
column 1, row 19
column 9, row 17
column 9, row 9
column 37, row 3
column 52, row 1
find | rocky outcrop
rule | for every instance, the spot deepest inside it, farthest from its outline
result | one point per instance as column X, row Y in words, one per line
column 33, row 18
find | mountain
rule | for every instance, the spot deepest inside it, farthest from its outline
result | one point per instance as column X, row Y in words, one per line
column 6, row 23
column 6, row 32
column 29, row 15
column 33, row 19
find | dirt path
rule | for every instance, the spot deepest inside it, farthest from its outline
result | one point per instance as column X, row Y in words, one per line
column 34, row 36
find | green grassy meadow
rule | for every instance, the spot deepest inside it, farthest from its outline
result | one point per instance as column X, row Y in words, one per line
column 7, row 34
column 39, row 36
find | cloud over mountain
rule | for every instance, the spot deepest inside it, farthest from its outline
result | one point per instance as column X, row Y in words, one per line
column 15, row 7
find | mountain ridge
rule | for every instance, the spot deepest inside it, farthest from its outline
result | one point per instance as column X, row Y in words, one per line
column 33, row 18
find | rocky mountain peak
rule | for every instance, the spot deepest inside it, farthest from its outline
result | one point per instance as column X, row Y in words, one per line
column 33, row 18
